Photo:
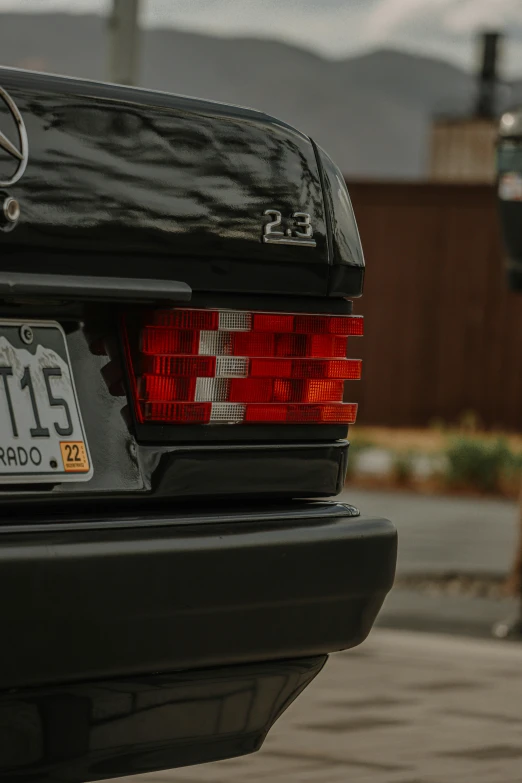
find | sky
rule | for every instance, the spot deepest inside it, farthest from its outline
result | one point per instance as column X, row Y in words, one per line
column 334, row 28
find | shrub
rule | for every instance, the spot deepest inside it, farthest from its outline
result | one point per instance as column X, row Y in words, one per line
column 403, row 467
column 478, row 464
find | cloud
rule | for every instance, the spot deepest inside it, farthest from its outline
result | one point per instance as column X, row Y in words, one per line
column 333, row 28
column 328, row 26
column 72, row 6
column 393, row 16
column 473, row 14
column 447, row 28
column 453, row 17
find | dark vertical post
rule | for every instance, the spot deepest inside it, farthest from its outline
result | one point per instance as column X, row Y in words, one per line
column 488, row 77
column 124, row 41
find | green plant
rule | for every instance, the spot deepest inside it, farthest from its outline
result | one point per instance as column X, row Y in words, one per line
column 478, row 464
column 403, row 467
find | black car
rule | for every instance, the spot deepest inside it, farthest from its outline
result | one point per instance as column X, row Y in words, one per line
column 175, row 309
column 509, row 172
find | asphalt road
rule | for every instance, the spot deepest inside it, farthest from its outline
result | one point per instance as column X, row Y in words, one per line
column 439, row 533
column 442, row 535
column 403, row 708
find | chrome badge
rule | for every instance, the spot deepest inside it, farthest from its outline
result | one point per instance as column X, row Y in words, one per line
column 298, row 230
column 17, row 150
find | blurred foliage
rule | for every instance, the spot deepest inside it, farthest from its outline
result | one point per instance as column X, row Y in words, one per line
column 440, row 458
column 480, row 464
column 403, row 467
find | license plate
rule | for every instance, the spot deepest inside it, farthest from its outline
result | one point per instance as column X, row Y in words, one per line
column 42, row 438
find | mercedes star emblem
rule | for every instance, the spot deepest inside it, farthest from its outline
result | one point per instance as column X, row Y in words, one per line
column 19, row 151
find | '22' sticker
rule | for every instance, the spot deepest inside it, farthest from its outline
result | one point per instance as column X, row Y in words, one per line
column 74, row 456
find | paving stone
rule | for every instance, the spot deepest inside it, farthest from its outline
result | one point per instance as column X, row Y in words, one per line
column 414, row 708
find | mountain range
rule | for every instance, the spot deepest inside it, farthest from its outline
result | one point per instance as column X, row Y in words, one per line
column 372, row 113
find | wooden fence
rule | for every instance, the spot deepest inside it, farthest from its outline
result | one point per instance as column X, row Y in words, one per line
column 443, row 335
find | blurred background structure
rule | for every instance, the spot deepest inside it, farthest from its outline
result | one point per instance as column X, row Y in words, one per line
column 365, row 79
column 124, row 42
column 462, row 146
column 406, row 97
column 413, row 133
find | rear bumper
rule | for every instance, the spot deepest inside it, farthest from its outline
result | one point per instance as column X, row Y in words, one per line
column 72, row 733
column 93, row 600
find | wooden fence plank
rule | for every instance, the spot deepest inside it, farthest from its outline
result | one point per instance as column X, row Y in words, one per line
column 443, row 333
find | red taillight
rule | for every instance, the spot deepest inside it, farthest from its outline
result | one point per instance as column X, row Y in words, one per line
column 308, row 324
column 193, row 366
column 280, row 390
column 184, row 319
column 155, row 341
column 159, row 388
column 302, row 414
column 301, row 345
column 328, row 324
column 182, row 366
column 346, row 369
column 273, row 322
column 176, row 413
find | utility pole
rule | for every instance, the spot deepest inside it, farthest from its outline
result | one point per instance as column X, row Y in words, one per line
column 124, row 41
column 486, row 104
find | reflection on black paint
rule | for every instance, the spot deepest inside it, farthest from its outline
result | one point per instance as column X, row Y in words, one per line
column 124, row 176
column 129, row 182
column 346, row 243
column 106, row 729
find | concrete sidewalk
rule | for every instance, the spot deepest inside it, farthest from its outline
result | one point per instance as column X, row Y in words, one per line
column 441, row 534
column 403, row 708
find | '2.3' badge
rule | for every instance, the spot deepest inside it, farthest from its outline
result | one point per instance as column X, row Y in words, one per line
column 298, row 230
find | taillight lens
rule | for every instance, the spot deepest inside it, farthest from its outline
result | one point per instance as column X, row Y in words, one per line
column 191, row 366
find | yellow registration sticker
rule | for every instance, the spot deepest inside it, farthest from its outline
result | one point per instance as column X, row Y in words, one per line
column 74, row 456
